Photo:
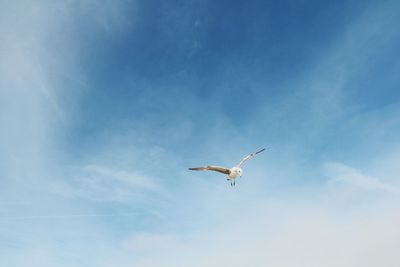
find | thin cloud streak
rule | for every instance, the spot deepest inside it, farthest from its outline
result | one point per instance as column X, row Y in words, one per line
column 341, row 173
column 64, row 216
column 105, row 184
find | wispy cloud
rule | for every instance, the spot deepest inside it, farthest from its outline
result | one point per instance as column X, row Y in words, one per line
column 101, row 183
column 308, row 230
column 341, row 173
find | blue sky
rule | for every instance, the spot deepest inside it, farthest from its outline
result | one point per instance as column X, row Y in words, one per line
column 104, row 106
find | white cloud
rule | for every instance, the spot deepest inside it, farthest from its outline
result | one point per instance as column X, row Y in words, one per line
column 342, row 173
column 39, row 52
column 283, row 234
column 101, row 183
column 321, row 225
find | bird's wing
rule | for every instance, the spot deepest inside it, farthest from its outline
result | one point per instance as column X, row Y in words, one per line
column 212, row 168
column 249, row 157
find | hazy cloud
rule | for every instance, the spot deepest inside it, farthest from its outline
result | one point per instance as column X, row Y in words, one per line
column 341, row 173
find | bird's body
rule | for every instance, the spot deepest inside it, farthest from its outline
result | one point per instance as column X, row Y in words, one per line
column 233, row 172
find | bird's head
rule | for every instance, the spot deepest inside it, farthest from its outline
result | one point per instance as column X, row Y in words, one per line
column 238, row 171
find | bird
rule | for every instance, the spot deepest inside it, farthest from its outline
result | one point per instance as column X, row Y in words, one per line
column 233, row 172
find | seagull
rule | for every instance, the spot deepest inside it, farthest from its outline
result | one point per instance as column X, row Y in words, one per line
column 233, row 172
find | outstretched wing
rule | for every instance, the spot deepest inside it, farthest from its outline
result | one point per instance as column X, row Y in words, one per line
column 212, row 168
column 249, row 157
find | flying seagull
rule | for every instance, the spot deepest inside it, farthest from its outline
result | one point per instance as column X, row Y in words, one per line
column 233, row 172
